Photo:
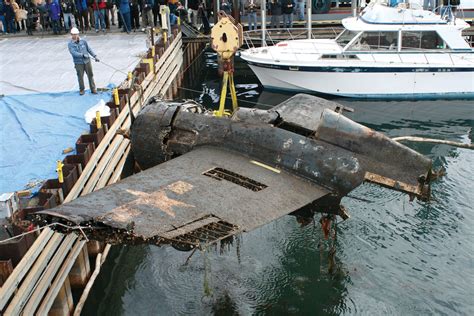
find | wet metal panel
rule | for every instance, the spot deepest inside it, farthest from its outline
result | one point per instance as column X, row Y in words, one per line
column 305, row 110
column 177, row 193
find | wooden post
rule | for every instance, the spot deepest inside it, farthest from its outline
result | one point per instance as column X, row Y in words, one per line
column 94, row 247
column 81, row 269
column 63, row 304
column 6, row 268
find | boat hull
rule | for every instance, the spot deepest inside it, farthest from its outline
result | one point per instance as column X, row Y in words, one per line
column 370, row 82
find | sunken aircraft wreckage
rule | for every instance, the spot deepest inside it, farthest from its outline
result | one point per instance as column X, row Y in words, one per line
column 207, row 178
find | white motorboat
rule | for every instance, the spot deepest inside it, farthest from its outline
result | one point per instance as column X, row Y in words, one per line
column 385, row 52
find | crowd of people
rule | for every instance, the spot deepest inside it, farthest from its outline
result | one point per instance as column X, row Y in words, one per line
column 60, row 16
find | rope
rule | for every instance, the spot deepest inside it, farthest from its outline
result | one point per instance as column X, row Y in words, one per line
column 21, row 87
column 432, row 140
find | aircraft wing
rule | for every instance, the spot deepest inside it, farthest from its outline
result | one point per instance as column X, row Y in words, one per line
column 208, row 192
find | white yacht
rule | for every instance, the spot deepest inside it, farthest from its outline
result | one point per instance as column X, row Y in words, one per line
column 385, row 52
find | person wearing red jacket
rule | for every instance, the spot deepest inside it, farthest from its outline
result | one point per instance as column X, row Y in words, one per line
column 99, row 7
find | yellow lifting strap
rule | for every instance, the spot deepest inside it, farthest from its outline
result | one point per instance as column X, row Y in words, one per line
column 59, row 170
column 227, row 78
column 226, row 38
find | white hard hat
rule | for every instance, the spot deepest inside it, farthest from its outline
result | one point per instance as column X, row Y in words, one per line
column 74, row 31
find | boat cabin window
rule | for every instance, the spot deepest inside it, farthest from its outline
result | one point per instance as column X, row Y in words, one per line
column 422, row 40
column 378, row 41
column 345, row 37
column 338, row 56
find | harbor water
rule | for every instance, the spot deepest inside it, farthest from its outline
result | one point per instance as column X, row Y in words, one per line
column 392, row 256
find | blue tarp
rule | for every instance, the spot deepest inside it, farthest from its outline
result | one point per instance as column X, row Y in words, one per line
column 35, row 129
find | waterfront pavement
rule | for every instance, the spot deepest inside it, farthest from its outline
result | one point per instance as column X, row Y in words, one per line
column 37, row 64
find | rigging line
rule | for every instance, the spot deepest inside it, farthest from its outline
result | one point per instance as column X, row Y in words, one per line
column 80, row 228
column 123, row 72
column 21, row 87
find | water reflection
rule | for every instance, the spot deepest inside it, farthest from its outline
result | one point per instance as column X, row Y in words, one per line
column 393, row 256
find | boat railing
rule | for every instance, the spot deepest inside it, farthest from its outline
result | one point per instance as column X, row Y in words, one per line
column 271, row 37
column 449, row 12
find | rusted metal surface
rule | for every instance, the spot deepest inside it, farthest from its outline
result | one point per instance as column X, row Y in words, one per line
column 173, row 198
column 209, row 178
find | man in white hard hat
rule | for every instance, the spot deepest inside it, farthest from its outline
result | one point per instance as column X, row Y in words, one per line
column 80, row 52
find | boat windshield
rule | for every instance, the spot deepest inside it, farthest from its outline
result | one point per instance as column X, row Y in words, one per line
column 345, row 37
column 378, row 41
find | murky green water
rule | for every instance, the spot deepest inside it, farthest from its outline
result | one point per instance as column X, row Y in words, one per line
column 392, row 256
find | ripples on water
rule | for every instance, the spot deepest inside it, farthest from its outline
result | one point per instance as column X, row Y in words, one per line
column 393, row 256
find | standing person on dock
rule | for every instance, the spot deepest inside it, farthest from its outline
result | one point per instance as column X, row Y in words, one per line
column 110, row 10
column 275, row 10
column 9, row 17
column 80, row 52
column 55, row 15
column 135, row 15
column 99, row 7
column 300, row 9
column 252, row 7
column 193, row 7
column 287, row 7
column 124, row 14
column 82, row 14
column 69, row 10
column 147, row 13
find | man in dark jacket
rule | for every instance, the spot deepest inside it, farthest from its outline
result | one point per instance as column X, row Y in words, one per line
column 287, row 7
column 252, row 6
column 69, row 10
column 82, row 14
column 31, row 18
column 2, row 17
column 9, row 17
column 81, row 53
column 193, row 5
column 275, row 10
column 135, row 15
column 55, row 16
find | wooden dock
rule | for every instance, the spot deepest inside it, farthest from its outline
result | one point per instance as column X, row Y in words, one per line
column 41, row 282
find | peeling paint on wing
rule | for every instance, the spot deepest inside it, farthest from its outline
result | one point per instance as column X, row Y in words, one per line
column 302, row 142
column 356, row 167
column 287, row 144
column 297, row 163
column 180, row 187
column 351, row 165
